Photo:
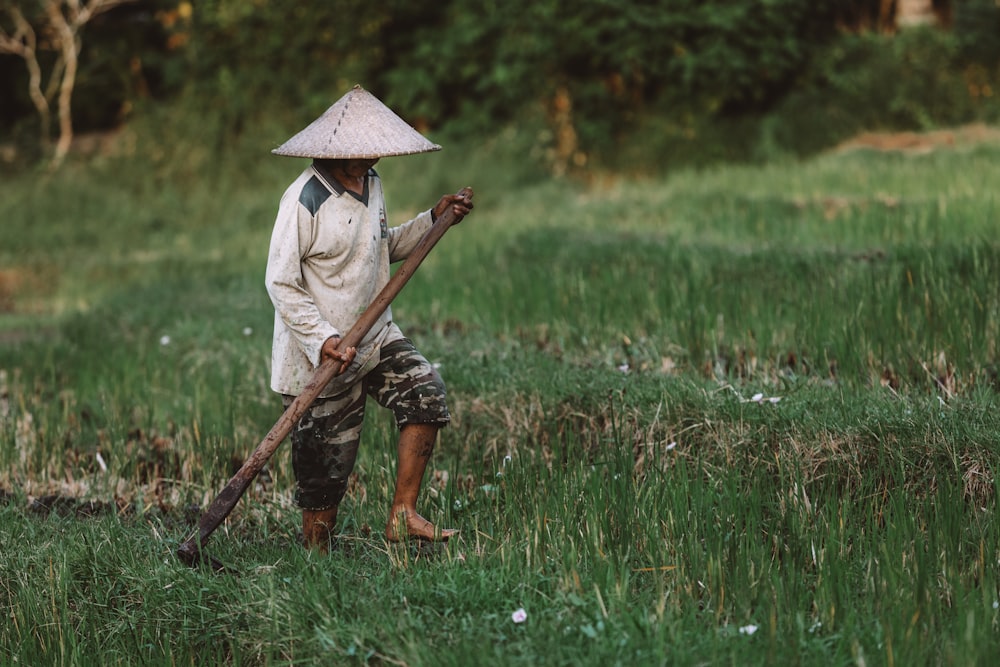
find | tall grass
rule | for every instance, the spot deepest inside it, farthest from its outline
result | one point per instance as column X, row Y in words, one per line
column 739, row 415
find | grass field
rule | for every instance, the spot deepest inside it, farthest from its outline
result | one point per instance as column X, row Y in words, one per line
column 744, row 415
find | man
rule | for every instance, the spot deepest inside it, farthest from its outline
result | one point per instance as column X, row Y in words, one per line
column 329, row 257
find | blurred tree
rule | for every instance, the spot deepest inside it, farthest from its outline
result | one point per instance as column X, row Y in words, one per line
column 30, row 26
column 235, row 59
column 977, row 27
column 17, row 37
column 886, row 16
column 592, row 65
column 584, row 73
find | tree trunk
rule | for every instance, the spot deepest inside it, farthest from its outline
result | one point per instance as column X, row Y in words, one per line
column 60, row 24
column 69, row 49
column 65, row 106
column 24, row 44
column 914, row 12
column 38, row 98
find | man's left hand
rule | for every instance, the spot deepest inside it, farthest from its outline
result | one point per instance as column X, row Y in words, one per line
column 459, row 204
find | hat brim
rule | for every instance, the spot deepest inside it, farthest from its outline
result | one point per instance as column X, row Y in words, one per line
column 357, row 126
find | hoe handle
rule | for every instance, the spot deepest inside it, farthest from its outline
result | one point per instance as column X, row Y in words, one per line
column 191, row 551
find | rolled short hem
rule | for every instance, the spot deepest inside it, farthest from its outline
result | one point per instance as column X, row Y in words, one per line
column 314, row 509
column 434, row 419
column 314, row 502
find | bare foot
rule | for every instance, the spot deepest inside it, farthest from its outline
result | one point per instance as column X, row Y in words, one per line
column 407, row 524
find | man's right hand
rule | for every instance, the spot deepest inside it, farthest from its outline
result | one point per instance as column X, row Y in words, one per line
column 329, row 351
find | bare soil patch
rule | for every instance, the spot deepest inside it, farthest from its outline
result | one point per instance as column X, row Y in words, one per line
column 11, row 281
column 967, row 136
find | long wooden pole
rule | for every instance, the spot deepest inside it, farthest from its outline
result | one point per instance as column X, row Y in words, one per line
column 191, row 551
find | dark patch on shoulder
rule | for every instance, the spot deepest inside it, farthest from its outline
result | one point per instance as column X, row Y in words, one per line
column 313, row 194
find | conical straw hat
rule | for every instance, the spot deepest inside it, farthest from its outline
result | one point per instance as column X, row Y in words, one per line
column 358, row 125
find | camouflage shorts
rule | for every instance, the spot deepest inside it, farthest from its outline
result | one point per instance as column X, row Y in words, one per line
column 325, row 440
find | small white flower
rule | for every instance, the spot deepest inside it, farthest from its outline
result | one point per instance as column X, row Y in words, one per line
column 457, row 504
column 996, row 604
column 623, row 368
column 164, row 340
column 519, row 615
column 672, row 445
column 247, row 331
column 761, row 399
column 748, row 629
column 507, row 460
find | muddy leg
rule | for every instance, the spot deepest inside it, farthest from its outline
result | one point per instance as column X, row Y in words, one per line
column 317, row 528
column 416, row 442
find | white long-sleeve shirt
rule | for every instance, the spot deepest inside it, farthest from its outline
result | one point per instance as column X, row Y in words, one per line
column 329, row 258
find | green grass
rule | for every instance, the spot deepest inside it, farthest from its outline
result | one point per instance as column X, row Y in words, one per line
column 608, row 466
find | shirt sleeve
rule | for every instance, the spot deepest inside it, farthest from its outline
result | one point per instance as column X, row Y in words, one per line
column 294, row 304
column 404, row 238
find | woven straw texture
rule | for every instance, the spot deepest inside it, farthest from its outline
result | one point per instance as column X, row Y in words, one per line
column 358, row 125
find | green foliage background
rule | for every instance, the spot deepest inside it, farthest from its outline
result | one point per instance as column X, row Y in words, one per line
column 638, row 83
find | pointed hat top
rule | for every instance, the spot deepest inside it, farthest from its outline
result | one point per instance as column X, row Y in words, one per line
column 358, row 125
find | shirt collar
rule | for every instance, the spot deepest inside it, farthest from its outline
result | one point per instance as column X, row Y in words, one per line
column 338, row 188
